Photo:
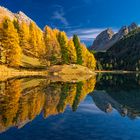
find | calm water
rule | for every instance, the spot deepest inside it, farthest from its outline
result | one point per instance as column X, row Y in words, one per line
column 106, row 107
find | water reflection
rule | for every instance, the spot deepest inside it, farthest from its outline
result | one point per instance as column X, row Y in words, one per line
column 21, row 100
column 121, row 92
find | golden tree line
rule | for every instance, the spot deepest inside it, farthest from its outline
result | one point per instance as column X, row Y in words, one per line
column 50, row 46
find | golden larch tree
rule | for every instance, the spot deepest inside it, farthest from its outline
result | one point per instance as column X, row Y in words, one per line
column 24, row 37
column 32, row 40
column 52, row 46
column 72, row 57
column 10, row 43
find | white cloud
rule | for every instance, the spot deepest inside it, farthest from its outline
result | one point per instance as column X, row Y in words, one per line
column 88, row 34
column 60, row 15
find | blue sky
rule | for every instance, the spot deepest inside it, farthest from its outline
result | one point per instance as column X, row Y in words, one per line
column 87, row 18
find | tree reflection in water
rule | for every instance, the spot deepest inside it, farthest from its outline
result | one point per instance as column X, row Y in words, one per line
column 21, row 100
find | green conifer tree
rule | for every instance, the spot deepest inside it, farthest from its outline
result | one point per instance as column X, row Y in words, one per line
column 78, row 49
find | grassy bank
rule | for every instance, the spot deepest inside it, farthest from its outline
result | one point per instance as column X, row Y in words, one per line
column 64, row 72
column 6, row 73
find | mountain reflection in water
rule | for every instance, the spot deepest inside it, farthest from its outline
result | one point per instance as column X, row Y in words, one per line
column 121, row 92
column 22, row 99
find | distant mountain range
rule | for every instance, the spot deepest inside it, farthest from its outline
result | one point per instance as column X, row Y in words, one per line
column 108, row 38
column 123, row 55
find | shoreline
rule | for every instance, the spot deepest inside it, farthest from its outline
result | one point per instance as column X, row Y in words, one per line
column 116, row 71
column 63, row 72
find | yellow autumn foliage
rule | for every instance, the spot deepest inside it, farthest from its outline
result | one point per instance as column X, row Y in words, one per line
column 88, row 58
column 9, row 42
column 50, row 47
column 71, row 52
column 20, row 103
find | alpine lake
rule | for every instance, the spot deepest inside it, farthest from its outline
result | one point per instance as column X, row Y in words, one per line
column 104, row 107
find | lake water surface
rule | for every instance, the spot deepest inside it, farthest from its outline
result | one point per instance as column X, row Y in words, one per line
column 105, row 107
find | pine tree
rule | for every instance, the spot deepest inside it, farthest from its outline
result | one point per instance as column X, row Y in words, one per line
column 77, row 97
column 63, row 41
column 78, row 49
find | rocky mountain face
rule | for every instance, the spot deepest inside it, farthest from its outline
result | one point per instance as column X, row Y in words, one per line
column 4, row 12
column 22, row 17
column 123, row 55
column 108, row 38
column 102, row 39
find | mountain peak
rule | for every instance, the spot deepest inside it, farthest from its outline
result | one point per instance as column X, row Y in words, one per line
column 108, row 38
column 123, row 31
column 23, row 17
column 103, row 38
column 133, row 26
column 4, row 12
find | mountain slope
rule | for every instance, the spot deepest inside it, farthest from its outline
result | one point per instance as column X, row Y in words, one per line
column 124, row 55
column 21, row 17
column 24, row 44
column 102, row 39
column 108, row 38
